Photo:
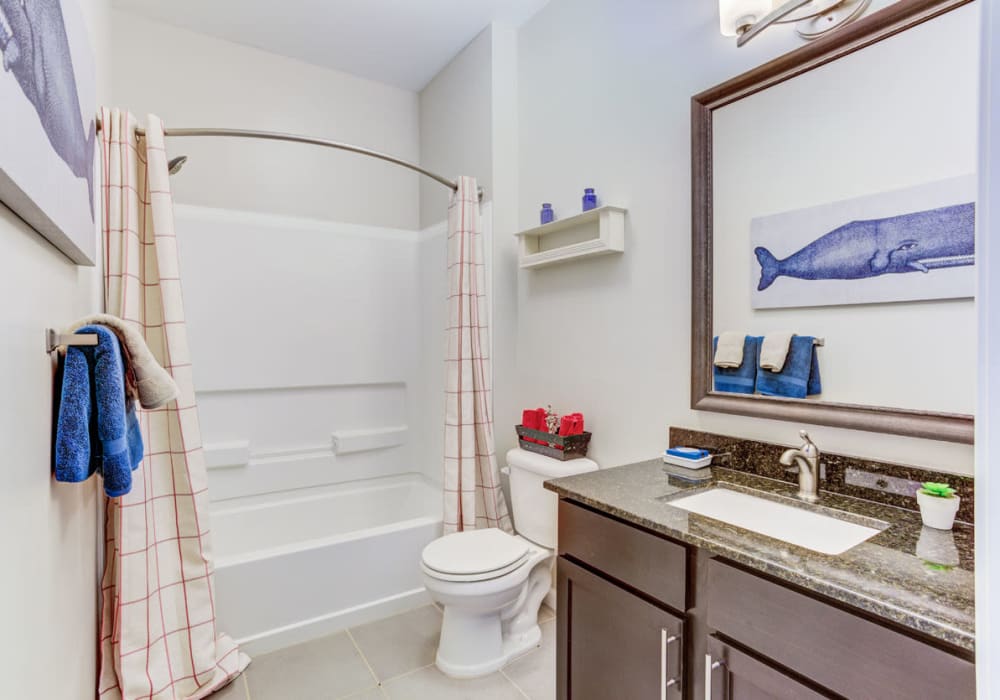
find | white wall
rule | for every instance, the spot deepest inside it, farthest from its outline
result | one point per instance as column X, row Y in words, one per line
column 432, row 282
column 988, row 410
column 49, row 535
column 455, row 116
column 507, row 404
column 610, row 337
column 300, row 328
column 468, row 125
column 191, row 80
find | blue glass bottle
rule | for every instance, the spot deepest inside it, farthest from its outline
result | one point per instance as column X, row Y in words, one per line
column 548, row 216
column 589, row 199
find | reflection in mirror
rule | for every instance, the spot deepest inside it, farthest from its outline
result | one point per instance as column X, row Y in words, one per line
column 843, row 204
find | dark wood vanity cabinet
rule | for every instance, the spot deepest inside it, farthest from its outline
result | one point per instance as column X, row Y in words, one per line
column 643, row 616
column 612, row 639
column 622, row 594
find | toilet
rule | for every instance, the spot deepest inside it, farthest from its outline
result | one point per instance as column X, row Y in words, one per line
column 490, row 583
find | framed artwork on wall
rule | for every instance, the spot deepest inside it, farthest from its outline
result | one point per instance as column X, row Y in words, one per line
column 912, row 244
column 47, row 124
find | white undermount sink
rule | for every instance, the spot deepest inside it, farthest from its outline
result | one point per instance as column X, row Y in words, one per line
column 799, row 526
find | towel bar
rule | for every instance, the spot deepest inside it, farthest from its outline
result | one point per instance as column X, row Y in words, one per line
column 54, row 339
column 819, row 341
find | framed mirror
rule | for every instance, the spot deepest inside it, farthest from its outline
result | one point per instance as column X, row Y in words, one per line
column 833, row 194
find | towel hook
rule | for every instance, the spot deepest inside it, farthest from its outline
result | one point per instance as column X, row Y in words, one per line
column 54, row 339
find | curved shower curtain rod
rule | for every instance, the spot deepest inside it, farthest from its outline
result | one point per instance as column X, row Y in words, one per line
column 312, row 140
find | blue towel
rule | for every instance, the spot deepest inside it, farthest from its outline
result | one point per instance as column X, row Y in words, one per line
column 97, row 430
column 738, row 380
column 800, row 375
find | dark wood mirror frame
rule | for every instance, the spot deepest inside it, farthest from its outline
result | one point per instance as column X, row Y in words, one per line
column 883, row 24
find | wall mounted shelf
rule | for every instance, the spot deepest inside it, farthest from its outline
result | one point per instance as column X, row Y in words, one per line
column 534, row 250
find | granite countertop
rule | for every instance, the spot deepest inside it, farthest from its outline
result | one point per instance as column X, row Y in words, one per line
column 932, row 593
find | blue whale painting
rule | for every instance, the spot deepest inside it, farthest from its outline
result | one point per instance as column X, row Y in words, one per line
column 916, row 242
column 36, row 52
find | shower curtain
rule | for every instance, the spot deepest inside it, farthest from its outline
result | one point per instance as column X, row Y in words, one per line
column 158, row 638
column 473, row 497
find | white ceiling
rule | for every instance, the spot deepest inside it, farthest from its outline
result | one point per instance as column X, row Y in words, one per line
column 399, row 42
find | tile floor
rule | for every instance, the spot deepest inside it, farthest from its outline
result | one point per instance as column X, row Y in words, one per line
column 391, row 659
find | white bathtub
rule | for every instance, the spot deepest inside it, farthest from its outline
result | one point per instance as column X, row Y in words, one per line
column 297, row 565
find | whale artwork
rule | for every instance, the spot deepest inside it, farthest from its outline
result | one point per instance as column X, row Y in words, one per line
column 918, row 242
column 926, row 253
column 41, row 46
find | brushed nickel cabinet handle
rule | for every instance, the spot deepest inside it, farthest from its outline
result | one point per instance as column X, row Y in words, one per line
column 709, row 667
column 666, row 639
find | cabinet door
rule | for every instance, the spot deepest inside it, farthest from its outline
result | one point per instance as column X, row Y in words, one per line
column 613, row 644
column 732, row 675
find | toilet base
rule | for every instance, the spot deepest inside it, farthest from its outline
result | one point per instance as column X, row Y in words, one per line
column 509, row 649
column 477, row 640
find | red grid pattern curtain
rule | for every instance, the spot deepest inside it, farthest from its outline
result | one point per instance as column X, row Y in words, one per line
column 472, row 494
column 158, row 638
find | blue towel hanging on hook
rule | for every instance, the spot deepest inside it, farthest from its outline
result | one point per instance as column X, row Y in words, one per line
column 97, row 429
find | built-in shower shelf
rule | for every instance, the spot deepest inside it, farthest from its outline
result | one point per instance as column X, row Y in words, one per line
column 223, row 455
column 600, row 231
column 348, row 441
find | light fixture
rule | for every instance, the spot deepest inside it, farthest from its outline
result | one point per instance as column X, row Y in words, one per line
column 745, row 19
column 737, row 16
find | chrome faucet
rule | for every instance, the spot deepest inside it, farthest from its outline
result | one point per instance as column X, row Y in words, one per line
column 807, row 459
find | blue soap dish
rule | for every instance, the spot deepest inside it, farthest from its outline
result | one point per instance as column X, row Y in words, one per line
column 688, row 457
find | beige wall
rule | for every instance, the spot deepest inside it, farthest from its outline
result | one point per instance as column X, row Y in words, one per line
column 49, row 535
column 610, row 336
column 190, row 79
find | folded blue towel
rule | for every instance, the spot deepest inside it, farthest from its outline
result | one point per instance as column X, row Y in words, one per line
column 97, row 429
column 738, row 380
column 799, row 377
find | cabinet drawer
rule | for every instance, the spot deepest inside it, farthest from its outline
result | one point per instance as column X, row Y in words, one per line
column 646, row 562
column 837, row 649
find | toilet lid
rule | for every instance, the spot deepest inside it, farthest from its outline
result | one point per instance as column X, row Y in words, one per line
column 474, row 552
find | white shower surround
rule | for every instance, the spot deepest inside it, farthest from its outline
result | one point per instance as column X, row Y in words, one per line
column 302, row 564
column 312, row 539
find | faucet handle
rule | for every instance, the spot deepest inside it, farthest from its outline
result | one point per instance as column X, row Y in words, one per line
column 808, row 446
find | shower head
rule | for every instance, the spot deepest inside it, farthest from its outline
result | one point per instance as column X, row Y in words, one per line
column 175, row 164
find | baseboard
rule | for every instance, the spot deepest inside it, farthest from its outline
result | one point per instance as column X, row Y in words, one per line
column 307, row 630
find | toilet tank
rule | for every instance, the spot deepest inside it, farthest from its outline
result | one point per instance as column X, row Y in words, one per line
column 535, row 509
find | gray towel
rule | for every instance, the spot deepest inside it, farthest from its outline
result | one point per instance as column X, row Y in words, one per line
column 729, row 349
column 155, row 385
column 774, row 350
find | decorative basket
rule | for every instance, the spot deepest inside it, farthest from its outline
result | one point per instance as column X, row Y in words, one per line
column 573, row 446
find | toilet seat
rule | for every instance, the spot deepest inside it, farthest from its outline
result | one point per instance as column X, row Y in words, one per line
column 474, row 555
column 471, row 578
